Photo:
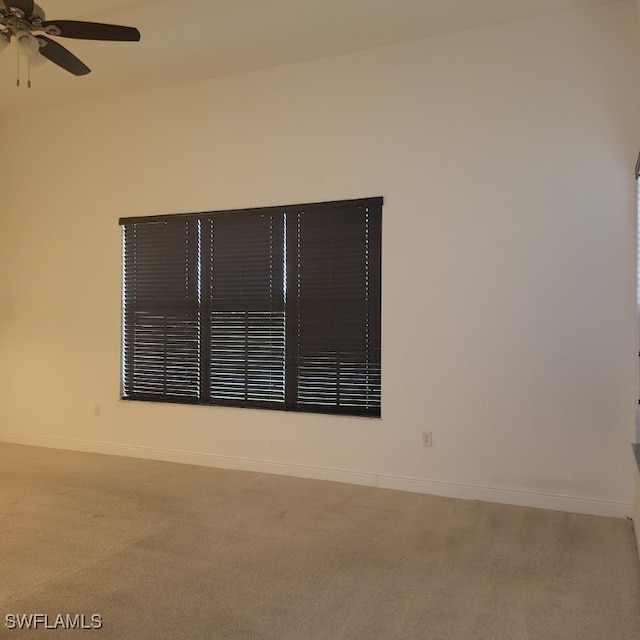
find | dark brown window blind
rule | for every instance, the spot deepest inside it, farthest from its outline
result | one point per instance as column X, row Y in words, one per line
column 334, row 308
column 243, row 308
column 277, row 308
column 161, row 315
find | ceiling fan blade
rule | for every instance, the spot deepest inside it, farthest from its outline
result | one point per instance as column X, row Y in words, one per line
column 55, row 52
column 90, row 30
column 26, row 6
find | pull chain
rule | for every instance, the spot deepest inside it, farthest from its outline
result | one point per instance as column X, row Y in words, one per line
column 18, row 70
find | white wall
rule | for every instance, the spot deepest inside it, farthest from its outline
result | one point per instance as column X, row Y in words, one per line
column 505, row 157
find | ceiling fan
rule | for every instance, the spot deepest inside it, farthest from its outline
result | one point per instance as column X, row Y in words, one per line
column 25, row 21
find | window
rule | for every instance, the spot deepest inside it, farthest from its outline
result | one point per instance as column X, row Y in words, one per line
column 637, row 173
column 274, row 308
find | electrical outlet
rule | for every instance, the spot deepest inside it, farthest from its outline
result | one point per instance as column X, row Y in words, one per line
column 426, row 439
column 96, row 410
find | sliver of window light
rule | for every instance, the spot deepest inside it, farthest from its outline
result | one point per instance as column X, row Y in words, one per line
column 638, row 243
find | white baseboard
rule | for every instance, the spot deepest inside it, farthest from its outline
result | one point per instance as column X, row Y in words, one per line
column 553, row 502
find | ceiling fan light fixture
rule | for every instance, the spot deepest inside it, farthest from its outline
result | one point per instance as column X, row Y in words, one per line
column 28, row 44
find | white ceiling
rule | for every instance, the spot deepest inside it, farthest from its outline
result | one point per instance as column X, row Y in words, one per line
column 189, row 40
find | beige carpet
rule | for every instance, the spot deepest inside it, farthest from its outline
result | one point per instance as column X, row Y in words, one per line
column 170, row 552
